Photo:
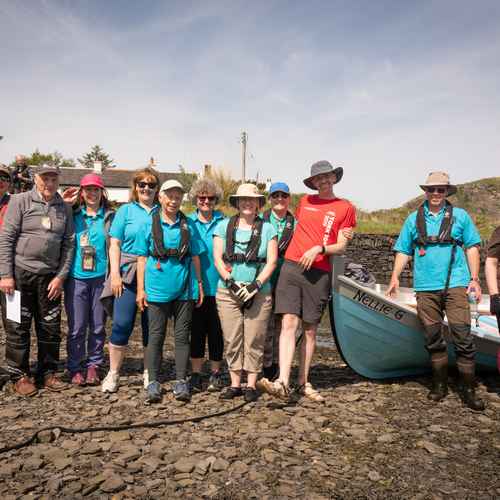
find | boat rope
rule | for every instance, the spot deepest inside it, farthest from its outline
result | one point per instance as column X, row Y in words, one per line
column 114, row 428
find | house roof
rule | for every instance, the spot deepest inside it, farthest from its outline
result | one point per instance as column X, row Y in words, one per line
column 113, row 178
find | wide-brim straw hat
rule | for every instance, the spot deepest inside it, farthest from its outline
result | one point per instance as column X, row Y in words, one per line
column 323, row 167
column 435, row 179
column 247, row 190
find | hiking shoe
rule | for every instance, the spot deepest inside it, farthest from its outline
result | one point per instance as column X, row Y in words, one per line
column 110, row 382
column 181, row 390
column 53, row 383
column 145, row 379
column 195, row 382
column 231, row 393
column 215, row 382
column 251, row 395
column 92, row 375
column 77, row 379
column 311, row 393
column 154, row 392
column 25, row 386
column 276, row 388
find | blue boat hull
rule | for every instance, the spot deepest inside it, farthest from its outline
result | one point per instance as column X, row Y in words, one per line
column 379, row 339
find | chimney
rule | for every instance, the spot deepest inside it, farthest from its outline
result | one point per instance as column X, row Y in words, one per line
column 207, row 170
column 98, row 167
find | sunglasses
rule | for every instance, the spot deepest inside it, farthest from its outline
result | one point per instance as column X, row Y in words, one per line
column 207, row 198
column 436, row 190
column 279, row 194
column 3, row 178
column 150, row 185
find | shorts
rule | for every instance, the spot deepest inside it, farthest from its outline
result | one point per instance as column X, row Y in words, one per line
column 303, row 293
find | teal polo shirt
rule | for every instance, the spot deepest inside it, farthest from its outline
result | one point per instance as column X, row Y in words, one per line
column 430, row 270
column 94, row 227
column 279, row 226
column 206, row 230
column 130, row 219
column 243, row 271
column 175, row 279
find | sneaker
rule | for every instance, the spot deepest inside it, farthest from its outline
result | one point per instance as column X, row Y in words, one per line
column 251, row 395
column 154, row 392
column 231, row 393
column 215, row 382
column 53, row 383
column 181, row 390
column 92, row 375
column 110, row 382
column 145, row 379
column 195, row 382
column 311, row 393
column 276, row 388
column 25, row 386
column 77, row 379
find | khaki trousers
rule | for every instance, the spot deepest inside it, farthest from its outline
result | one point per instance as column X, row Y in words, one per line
column 244, row 329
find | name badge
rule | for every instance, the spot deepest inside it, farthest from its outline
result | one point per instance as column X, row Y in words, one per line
column 84, row 239
column 46, row 222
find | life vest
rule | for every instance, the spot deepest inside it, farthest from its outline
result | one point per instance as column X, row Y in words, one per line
column 444, row 235
column 286, row 237
column 159, row 250
column 252, row 250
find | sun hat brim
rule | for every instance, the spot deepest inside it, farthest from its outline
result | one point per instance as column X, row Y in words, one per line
column 233, row 199
column 339, row 172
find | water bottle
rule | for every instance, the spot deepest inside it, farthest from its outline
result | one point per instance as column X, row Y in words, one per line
column 474, row 311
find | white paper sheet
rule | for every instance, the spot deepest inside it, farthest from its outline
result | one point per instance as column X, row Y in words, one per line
column 13, row 311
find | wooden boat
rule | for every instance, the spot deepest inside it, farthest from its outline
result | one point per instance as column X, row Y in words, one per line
column 380, row 337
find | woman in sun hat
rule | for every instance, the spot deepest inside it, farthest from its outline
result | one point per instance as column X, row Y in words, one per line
column 92, row 217
column 245, row 254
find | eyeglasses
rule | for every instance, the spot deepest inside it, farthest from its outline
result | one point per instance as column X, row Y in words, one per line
column 439, row 190
column 279, row 194
column 207, row 198
column 4, row 178
column 150, row 185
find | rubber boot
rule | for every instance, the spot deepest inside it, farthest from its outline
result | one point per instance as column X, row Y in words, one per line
column 467, row 385
column 439, row 390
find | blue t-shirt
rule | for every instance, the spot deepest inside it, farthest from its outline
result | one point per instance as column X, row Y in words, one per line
column 91, row 228
column 430, row 270
column 129, row 220
column 206, row 231
column 174, row 279
column 243, row 271
column 279, row 226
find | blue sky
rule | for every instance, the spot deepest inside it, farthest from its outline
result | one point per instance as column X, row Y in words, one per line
column 390, row 90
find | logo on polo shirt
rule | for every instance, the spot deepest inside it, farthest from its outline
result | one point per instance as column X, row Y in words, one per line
column 328, row 224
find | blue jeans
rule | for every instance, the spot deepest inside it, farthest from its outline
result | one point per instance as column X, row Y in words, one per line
column 85, row 312
column 124, row 312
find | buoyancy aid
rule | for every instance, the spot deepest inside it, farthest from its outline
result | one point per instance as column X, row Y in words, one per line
column 159, row 250
column 286, row 237
column 252, row 250
column 443, row 237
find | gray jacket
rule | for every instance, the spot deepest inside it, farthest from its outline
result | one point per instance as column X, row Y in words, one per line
column 26, row 243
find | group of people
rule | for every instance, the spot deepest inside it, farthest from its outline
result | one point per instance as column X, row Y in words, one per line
column 243, row 284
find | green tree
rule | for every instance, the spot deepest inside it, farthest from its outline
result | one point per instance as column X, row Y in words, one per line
column 55, row 158
column 185, row 178
column 96, row 154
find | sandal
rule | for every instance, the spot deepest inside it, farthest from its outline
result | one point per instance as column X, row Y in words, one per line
column 276, row 388
column 311, row 393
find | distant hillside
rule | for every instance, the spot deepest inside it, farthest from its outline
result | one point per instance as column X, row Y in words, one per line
column 480, row 198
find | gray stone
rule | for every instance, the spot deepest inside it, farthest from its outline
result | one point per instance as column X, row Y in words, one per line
column 220, row 464
column 239, row 467
column 90, row 448
column 186, row 464
column 113, row 484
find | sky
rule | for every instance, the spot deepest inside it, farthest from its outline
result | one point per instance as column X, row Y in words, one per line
column 389, row 90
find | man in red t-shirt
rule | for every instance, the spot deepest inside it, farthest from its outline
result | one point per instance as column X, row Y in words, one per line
column 304, row 284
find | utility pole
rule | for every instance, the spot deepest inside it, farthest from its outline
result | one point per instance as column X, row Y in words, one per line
column 244, row 138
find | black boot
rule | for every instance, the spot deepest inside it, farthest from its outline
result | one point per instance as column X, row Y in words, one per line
column 467, row 385
column 439, row 389
column 271, row 372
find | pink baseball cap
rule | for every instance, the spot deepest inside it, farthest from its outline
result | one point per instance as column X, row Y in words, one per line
column 92, row 180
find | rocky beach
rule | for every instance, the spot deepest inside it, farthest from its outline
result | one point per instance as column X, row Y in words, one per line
column 369, row 440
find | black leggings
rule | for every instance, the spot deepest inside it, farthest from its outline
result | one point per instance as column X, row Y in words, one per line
column 206, row 323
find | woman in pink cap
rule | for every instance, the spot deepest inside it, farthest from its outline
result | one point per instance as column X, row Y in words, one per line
column 86, row 317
